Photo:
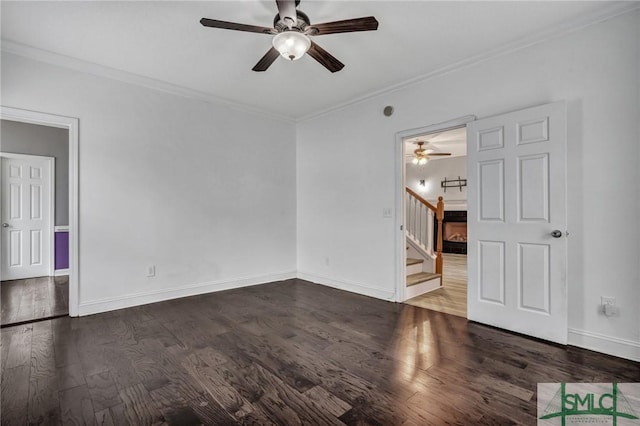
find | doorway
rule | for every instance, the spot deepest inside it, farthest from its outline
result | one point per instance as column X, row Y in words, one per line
column 517, row 248
column 33, row 295
column 434, row 163
column 27, row 207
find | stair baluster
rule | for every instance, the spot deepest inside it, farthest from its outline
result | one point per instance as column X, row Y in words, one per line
column 420, row 224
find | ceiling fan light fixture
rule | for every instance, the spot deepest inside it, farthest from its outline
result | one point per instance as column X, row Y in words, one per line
column 292, row 45
column 419, row 160
column 420, row 155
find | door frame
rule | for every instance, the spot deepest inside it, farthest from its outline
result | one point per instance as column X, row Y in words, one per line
column 400, row 167
column 51, row 205
column 72, row 125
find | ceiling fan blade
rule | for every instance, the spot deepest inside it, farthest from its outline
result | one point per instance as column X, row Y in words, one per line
column 266, row 60
column 287, row 11
column 214, row 23
column 368, row 23
column 325, row 58
column 434, row 154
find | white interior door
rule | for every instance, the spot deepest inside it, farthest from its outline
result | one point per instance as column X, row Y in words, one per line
column 517, row 250
column 27, row 216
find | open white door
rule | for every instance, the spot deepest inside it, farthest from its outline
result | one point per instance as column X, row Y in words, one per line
column 27, row 216
column 517, row 250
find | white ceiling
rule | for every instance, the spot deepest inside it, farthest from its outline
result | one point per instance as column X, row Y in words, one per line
column 163, row 40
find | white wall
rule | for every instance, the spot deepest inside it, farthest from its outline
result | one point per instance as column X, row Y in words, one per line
column 203, row 191
column 433, row 173
column 346, row 171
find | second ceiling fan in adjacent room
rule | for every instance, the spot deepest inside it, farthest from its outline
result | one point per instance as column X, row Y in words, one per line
column 421, row 155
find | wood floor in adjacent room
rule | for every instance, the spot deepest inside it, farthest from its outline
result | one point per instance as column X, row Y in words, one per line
column 283, row 353
column 32, row 299
column 451, row 298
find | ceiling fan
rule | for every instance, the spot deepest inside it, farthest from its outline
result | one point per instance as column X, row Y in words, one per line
column 291, row 31
column 422, row 155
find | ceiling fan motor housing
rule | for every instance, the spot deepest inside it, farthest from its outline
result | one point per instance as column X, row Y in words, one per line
column 301, row 25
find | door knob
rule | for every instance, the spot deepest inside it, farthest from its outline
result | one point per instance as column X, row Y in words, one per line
column 556, row 233
column 5, row 225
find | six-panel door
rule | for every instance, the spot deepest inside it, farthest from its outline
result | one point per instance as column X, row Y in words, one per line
column 26, row 216
column 517, row 221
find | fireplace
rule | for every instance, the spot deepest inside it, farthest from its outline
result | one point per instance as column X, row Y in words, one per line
column 454, row 232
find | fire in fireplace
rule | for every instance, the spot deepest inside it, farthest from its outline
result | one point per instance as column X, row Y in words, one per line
column 454, row 232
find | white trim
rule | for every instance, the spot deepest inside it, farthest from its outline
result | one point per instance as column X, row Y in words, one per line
column 453, row 205
column 71, row 124
column 52, row 193
column 399, row 168
column 350, row 286
column 136, row 299
column 25, row 156
column 61, row 272
column 615, row 346
column 61, row 228
column 131, row 78
column 565, row 28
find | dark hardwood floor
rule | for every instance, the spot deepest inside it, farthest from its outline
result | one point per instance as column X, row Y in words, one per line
column 282, row 353
column 33, row 299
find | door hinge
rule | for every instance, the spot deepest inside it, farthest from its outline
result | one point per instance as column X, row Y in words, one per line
column 401, row 227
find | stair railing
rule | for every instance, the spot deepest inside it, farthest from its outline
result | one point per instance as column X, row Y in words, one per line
column 420, row 224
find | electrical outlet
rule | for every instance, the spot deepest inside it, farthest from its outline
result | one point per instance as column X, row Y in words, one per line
column 606, row 300
column 608, row 306
column 151, row 271
column 611, row 310
column 387, row 212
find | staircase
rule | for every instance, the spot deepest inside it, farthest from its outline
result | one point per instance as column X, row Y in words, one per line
column 424, row 265
column 418, row 281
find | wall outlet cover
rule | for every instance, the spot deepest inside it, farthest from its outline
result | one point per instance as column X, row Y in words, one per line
column 608, row 300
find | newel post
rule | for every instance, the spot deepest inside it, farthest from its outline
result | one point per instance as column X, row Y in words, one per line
column 439, row 218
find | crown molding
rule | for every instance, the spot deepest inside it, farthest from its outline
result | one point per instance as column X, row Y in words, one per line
column 131, row 78
column 550, row 33
column 568, row 27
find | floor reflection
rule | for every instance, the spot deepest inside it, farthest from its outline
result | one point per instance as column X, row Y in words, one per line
column 33, row 299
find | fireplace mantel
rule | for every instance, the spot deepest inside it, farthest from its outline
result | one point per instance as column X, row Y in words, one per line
column 452, row 204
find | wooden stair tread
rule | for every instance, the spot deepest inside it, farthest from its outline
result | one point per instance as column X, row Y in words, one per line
column 414, row 261
column 420, row 277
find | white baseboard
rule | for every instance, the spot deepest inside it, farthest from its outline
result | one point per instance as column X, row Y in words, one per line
column 130, row 300
column 60, row 272
column 351, row 286
column 622, row 348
